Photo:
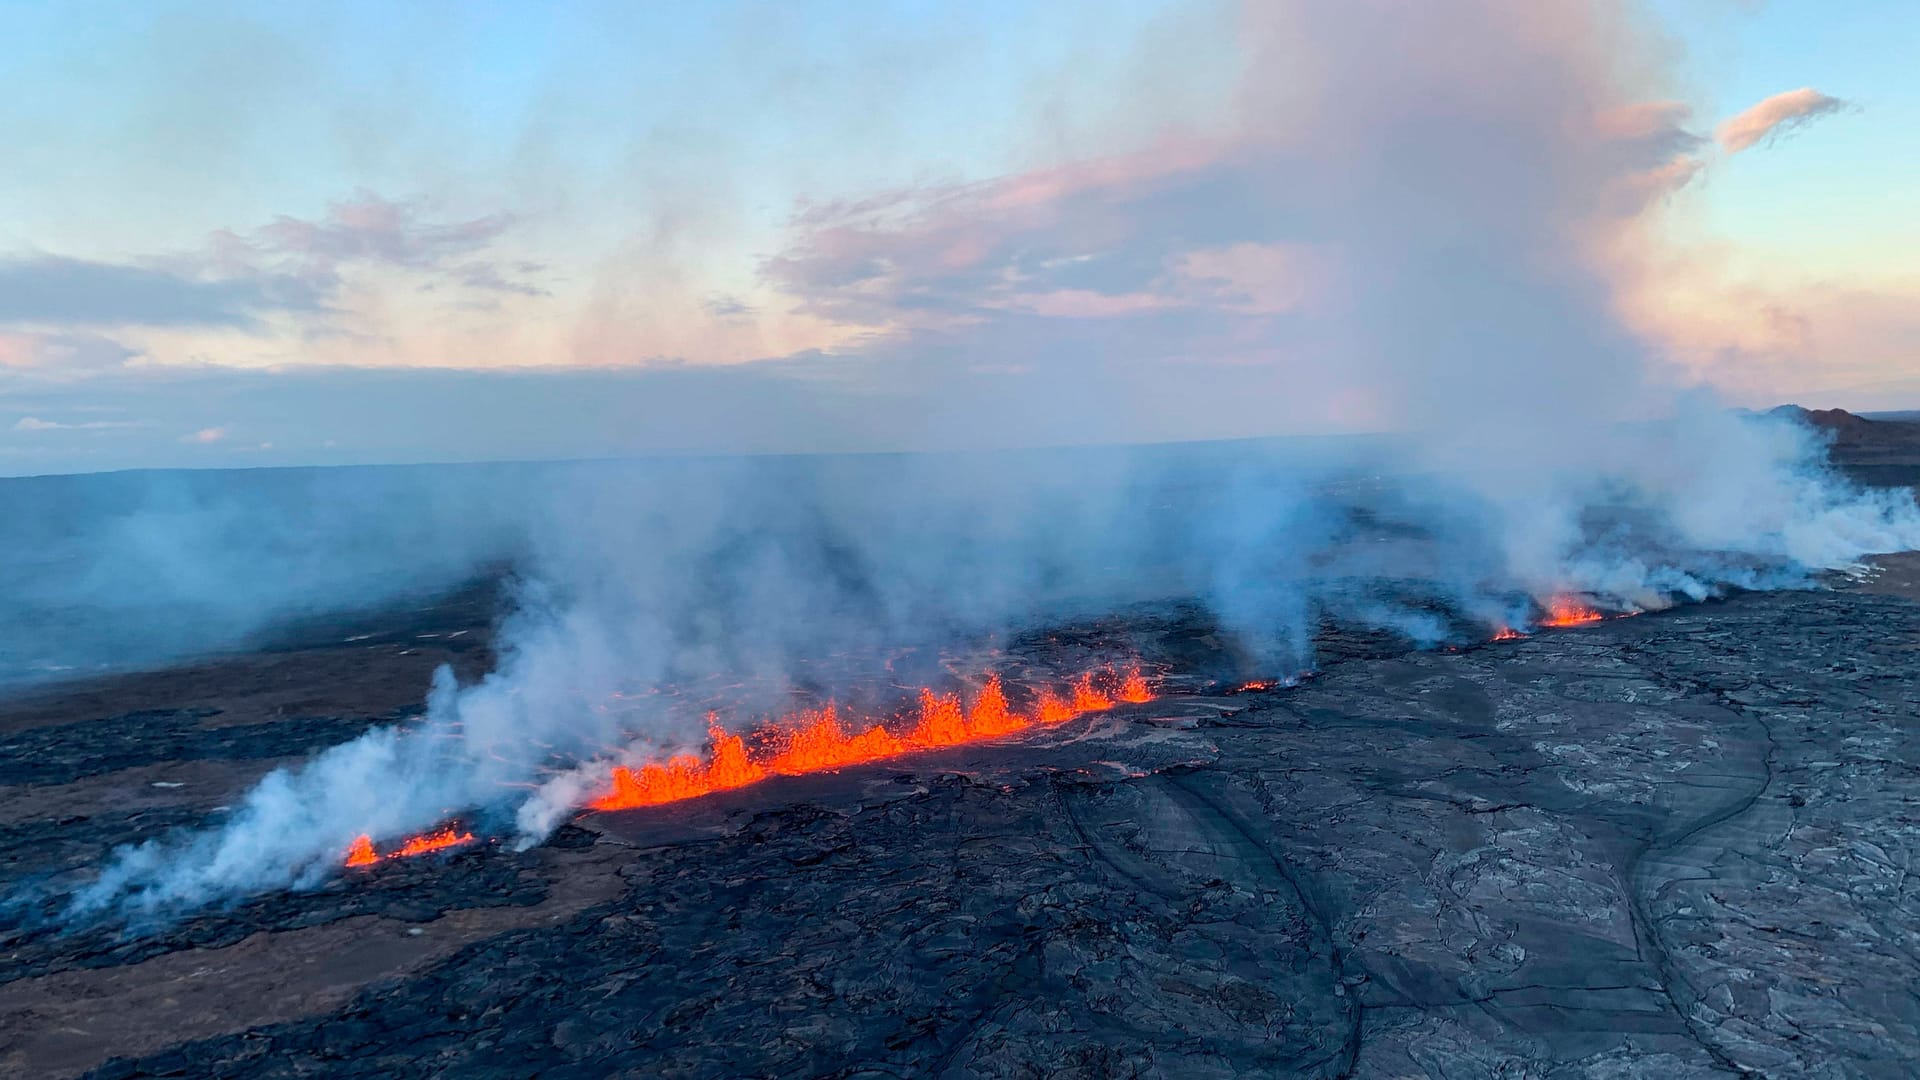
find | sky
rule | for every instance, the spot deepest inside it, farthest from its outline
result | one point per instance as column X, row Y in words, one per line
column 243, row 235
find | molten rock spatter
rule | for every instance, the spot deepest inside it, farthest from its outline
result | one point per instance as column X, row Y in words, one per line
column 1569, row 611
column 821, row 742
column 1562, row 610
column 1052, row 708
column 363, row 853
column 819, row 739
column 1087, row 699
column 435, row 841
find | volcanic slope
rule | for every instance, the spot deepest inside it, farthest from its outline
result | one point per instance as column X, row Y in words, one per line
column 1666, row 846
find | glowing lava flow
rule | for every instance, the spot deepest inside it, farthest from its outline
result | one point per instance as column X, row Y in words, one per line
column 1507, row 633
column 1566, row 611
column 819, row 740
column 362, row 852
column 438, row 841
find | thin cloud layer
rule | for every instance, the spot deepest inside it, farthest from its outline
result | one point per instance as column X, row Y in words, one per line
column 1776, row 117
column 72, row 351
column 47, row 290
column 291, row 275
column 368, row 229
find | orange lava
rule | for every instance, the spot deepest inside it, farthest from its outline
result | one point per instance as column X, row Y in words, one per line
column 362, row 852
column 1507, row 633
column 1086, row 698
column 1567, row 611
column 437, row 841
column 819, row 739
column 1257, row 684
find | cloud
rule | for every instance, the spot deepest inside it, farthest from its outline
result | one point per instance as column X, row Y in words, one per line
column 488, row 277
column 1760, row 340
column 728, row 307
column 371, row 230
column 1063, row 237
column 239, row 281
column 369, row 227
column 34, row 423
column 51, row 290
column 205, row 436
column 1777, row 116
column 71, row 352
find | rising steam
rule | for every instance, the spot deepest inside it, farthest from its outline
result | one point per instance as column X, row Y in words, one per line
column 1456, row 179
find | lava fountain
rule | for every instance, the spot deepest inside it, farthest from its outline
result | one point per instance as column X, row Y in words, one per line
column 818, row 740
column 363, row 853
column 1568, row 611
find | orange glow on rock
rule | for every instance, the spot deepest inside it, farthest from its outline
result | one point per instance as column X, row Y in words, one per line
column 362, row 853
column 1507, row 633
column 818, row 740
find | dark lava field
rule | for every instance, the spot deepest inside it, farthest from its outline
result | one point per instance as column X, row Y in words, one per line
column 1673, row 845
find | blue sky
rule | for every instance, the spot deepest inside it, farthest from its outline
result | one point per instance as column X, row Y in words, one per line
column 252, row 234
column 1810, row 207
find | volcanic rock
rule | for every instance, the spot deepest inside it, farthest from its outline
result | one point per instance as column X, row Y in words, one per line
column 1666, row 846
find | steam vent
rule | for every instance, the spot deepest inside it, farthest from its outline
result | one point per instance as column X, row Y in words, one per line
column 1144, row 540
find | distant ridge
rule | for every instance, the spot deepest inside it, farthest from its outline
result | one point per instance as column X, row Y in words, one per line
column 1839, row 421
column 1882, row 451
